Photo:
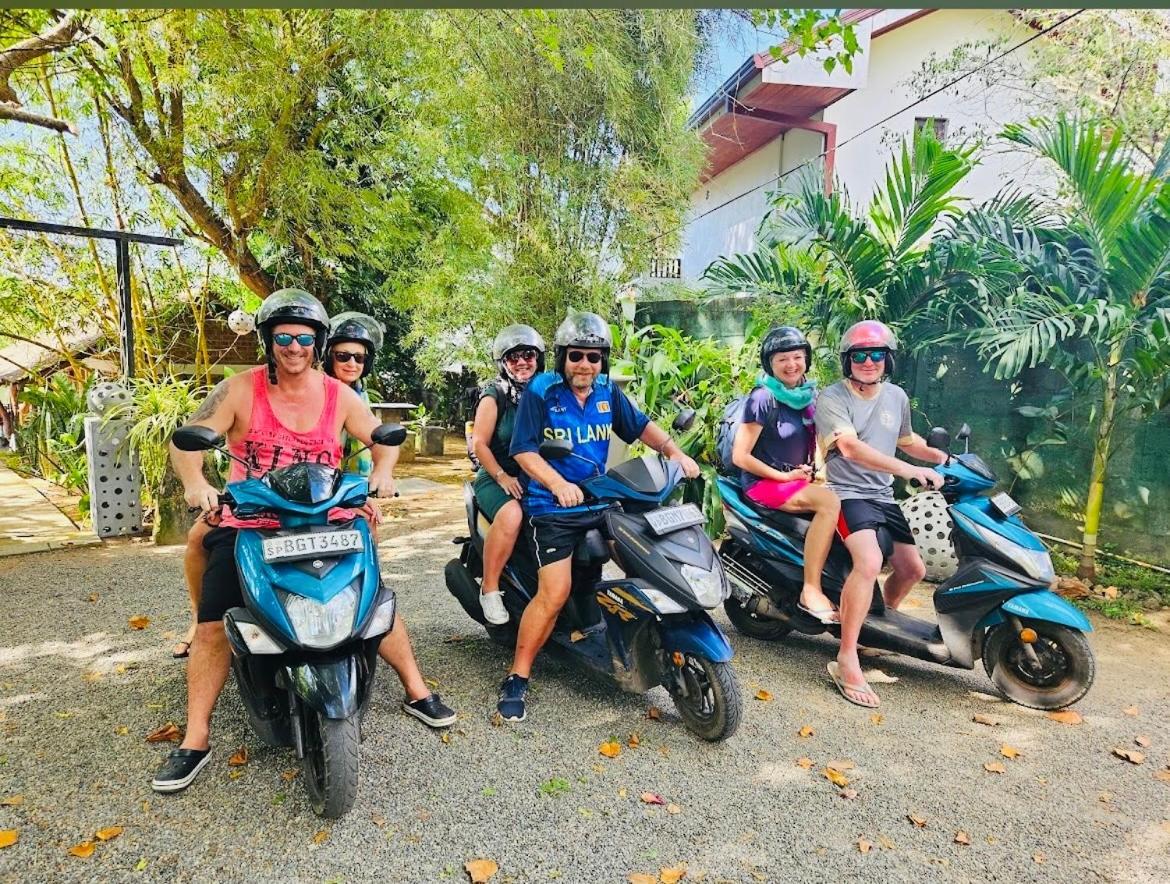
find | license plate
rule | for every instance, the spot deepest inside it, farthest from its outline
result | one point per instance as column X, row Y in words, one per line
column 672, row 518
column 1004, row 503
column 306, row 546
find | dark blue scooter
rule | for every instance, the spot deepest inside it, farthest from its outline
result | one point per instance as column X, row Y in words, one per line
column 646, row 629
column 997, row 606
column 305, row 644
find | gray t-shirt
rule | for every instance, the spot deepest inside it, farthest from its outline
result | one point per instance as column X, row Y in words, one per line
column 882, row 423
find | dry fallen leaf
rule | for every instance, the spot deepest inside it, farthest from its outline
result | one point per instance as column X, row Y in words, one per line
column 980, row 718
column 876, row 718
column 641, row 878
column 12, row 801
column 497, row 719
column 634, row 741
column 651, row 798
column 8, row 837
column 673, row 808
column 848, row 794
column 445, row 738
column 1008, row 752
column 122, row 730
column 840, row 764
column 1142, row 740
column 92, row 597
column 610, row 748
column 835, row 777
column 109, row 833
column 672, row 875
column 91, row 676
column 918, row 821
column 1105, row 797
column 1038, row 857
column 805, row 731
column 1130, row 755
column 962, row 837
column 481, row 870
column 1132, row 710
column 806, row 763
column 886, row 843
column 654, row 712
column 291, row 774
column 864, row 846
column 168, row 733
column 139, row 621
column 83, row 850
column 1066, row 716
column 321, row 837
column 235, row 773
column 378, row 820
column 239, row 758
column 876, row 676
column 994, row 767
column 1163, row 775
column 763, row 695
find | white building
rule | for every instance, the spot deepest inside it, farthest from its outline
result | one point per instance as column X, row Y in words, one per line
column 772, row 116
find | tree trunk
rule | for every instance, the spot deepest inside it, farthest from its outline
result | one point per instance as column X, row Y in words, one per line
column 171, row 519
column 1087, row 570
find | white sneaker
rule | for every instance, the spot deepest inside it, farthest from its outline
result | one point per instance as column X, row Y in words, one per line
column 493, row 607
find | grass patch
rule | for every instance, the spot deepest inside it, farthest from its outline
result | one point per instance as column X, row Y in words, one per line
column 1139, row 588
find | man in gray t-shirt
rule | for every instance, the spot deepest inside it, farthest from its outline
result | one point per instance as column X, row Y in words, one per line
column 862, row 422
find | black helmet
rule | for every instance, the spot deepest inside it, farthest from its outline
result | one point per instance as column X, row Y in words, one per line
column 358, row 328
column 780, row 340
column 517, row 337
column 869, row 334
column 583, row 330
column 291, row 306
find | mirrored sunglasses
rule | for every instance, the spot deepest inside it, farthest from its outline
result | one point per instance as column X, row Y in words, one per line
column 859, row 356
column 591, row 355
column 284, row 339
column 359, row 358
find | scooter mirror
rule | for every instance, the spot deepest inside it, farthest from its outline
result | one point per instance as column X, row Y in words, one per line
column 196, row 438
column 684, row 421
column 388, row 434
column 939, row 438
column 555, row 449
column 965, row 432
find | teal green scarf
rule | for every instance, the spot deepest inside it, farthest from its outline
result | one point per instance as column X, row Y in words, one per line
column 797, row 398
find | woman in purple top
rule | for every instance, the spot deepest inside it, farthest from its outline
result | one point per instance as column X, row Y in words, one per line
column 774, row 448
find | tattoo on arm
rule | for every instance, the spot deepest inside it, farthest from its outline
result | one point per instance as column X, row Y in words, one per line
column 212, row 402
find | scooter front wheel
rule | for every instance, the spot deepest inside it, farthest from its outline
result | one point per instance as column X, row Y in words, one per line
column 1061, row 673
column 332, row 749
column 707, row 697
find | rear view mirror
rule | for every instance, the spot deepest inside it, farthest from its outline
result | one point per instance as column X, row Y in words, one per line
column 555, row 449
column 964, row 432
column 388, row 434
column 684, row 421
column 939, row 438
column 196, row 438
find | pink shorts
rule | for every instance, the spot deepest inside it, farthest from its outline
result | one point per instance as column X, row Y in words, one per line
column 773, row 494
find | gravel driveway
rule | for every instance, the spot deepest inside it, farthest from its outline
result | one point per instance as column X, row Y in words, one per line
column 80, row 689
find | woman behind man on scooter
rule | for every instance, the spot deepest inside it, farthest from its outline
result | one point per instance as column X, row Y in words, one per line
column 774, row 448
column 518, row 351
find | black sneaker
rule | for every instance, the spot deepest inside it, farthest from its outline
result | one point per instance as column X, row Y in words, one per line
column 430, row 711
column 179, row 769
column 513, row 694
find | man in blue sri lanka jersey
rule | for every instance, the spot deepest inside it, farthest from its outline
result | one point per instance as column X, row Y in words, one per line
column 571, row 403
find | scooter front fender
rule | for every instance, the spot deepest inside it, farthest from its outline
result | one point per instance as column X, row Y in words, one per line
column 333, row 688
column 696, row 634
column 1047, row 606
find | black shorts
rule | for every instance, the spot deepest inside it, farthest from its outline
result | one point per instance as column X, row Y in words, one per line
column 554, row 536
column 221, row 579
column 858, row 515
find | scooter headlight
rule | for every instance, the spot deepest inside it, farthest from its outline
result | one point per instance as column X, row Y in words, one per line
column 322, row 625
column 708, row 586
column 1036, row 563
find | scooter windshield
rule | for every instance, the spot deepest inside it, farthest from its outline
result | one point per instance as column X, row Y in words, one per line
column 308, row 483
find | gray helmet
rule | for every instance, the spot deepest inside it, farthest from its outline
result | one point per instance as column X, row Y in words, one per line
column 358, row 328
column 514, row 336
column 292, row 306
column 780, row 340
column 582, row 329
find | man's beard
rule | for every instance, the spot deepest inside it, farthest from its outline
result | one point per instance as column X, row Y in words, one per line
column 580, row 382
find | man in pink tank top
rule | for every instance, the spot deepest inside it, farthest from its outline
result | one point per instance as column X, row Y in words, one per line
column 283, row 412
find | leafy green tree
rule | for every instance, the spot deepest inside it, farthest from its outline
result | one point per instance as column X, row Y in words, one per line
column 1093, row 300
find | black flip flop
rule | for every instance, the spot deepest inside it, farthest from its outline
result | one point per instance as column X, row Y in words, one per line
column 186, row 652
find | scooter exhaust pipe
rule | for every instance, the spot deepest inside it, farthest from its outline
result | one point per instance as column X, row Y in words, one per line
column 763, row 607
column 758, row 602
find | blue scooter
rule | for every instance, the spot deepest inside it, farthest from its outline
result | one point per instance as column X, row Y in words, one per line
column 998, row 605
column 646, row 629
column 305, row 644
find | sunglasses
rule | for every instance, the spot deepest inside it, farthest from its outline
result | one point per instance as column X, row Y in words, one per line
column 284, row 339
column 359, row 358
column 520, row 356
column 859, row 356
column 577, row 355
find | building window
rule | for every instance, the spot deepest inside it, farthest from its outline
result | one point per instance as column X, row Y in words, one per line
column 939, row 124
column 666, row 268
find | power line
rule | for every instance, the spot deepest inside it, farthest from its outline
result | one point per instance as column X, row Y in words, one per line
column 780, row 177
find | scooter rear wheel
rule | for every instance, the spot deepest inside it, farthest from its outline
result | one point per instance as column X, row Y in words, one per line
column 332, row 749
column 753, row 625
column 711, row 705
column 1064, row 675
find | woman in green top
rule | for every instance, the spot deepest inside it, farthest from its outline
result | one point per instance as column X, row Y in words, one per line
column 354, row 340
column 519, row 352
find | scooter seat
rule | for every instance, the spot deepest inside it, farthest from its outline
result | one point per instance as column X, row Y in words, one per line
column 591, row 550
column 789, row 523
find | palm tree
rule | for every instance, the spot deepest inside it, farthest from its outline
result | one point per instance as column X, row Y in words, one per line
column 1093, row 299
column 841, row 265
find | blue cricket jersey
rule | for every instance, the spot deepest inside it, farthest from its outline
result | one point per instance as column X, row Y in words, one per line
column 549, row 410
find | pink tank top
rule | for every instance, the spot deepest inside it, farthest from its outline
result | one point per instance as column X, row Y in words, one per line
column 270, row 445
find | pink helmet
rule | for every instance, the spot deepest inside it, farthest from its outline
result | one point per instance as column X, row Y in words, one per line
column 869, row 334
